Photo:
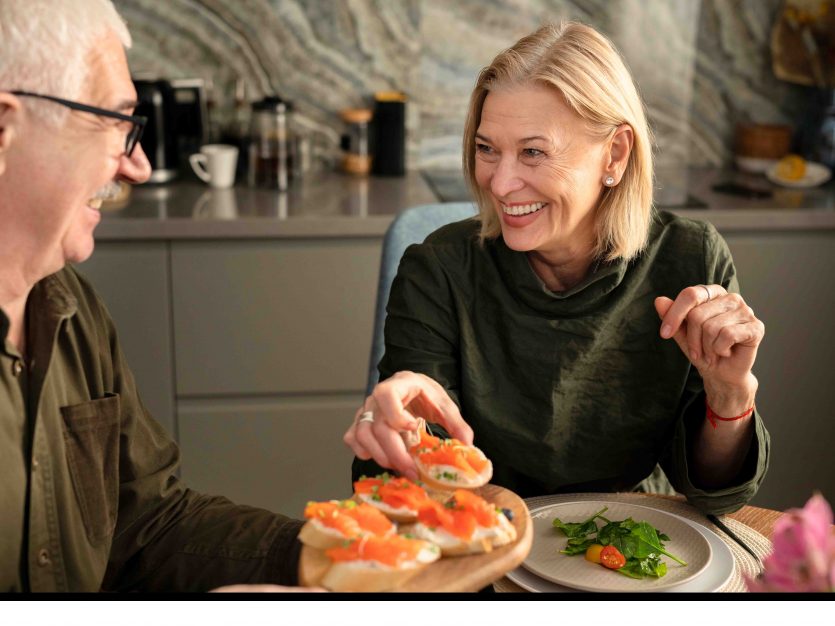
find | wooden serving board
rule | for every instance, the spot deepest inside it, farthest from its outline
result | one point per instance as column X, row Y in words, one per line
column 457, row 573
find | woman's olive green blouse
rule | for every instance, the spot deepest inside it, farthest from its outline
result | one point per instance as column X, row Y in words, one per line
column 572, row 391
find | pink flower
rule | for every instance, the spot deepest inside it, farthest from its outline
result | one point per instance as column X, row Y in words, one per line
column 803, row 558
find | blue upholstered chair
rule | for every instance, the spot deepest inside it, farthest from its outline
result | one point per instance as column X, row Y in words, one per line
column 410, row 226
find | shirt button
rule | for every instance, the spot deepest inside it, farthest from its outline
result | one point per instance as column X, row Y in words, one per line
column 17, row 367
column 43, row 557
column 35, row 463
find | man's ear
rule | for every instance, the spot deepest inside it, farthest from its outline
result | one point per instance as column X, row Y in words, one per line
column 10, row 110
column 620, row 147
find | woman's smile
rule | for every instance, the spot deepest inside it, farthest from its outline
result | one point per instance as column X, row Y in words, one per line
column 519, row 214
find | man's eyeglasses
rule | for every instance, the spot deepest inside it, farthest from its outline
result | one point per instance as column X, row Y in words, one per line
column 137, row 121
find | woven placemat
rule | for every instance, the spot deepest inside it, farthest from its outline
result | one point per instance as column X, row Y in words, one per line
column 743, row 562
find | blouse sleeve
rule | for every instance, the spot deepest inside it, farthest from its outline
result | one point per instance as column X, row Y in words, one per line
column 421, row 331
column 719, row 269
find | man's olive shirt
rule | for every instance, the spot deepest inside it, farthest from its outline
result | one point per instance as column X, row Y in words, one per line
column 571, row 391
column 89, row 495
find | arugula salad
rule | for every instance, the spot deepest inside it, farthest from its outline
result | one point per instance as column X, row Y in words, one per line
column 630, row 548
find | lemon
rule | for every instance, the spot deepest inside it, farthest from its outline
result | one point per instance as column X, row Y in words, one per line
column 791, row 167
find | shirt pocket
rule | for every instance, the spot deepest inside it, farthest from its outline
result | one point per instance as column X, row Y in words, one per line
column 91, row 436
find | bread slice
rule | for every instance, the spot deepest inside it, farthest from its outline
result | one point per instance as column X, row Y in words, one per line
column 444, row 524
column 445, row 477
column 366, row 576
column 352, row 519
column 354, row 570
column 483, row 539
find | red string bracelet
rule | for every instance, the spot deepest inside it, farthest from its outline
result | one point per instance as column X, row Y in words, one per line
column 713, row 417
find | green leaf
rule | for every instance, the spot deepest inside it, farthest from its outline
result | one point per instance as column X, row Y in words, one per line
column 645, row 532
column 577, row 545
column 575, row 529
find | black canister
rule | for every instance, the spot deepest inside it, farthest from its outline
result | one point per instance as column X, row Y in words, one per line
column 389, row 155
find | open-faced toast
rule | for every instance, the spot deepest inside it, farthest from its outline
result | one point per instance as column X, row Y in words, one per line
column 331, row 523
column 447, row 464
column 465, row 524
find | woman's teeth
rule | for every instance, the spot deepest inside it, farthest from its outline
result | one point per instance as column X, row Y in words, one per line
column 523, row 209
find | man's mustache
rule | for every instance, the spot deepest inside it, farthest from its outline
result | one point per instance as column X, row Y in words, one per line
column 109, row 191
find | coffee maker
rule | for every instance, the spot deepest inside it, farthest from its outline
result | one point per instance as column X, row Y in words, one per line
column 177, row 123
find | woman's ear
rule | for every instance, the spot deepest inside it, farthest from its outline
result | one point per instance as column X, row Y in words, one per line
column 620, row 147
column 9, row 121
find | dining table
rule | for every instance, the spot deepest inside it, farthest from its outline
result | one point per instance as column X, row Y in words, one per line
column 754, row 521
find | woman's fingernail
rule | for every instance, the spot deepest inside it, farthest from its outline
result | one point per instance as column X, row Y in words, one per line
column 666, row 331
column 694, row 356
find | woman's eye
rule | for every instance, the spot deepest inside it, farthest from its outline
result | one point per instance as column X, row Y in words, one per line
column 532, row 152
column 483, row 148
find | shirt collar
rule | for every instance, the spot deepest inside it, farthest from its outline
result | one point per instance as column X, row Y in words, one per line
column 50, row 298
column 584, row 297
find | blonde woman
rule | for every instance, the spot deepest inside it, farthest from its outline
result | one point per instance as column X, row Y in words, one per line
column 581, row 337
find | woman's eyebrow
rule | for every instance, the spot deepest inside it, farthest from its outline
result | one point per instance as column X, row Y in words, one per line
column 521, row 141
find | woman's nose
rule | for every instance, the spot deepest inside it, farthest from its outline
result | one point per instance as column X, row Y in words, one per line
column 134, row 169
column 505, row 179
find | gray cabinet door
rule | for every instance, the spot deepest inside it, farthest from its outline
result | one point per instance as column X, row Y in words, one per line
column 267, row 317
column 275, row 454
column 132, row 279
column 787, row 278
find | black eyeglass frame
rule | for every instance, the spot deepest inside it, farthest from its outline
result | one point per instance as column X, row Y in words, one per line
column 138, row 121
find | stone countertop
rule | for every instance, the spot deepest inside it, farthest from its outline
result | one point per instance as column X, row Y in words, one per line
column 337, row 205
column 328, row 205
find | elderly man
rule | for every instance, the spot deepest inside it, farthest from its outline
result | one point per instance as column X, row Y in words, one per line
column 89, row 497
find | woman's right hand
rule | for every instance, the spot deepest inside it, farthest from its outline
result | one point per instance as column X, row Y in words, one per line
column 396, row 403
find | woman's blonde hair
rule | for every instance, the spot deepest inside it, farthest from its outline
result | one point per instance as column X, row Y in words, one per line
column 591, row 76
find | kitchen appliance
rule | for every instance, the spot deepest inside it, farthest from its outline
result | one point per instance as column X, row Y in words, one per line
column 176, row 128
column 271, row 148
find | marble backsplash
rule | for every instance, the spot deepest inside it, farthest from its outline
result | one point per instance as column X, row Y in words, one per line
column 701, row 65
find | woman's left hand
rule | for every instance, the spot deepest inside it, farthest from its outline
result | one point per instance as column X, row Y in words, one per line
column 716, row 330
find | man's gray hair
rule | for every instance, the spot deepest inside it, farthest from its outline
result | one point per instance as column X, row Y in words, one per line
column 45, row 46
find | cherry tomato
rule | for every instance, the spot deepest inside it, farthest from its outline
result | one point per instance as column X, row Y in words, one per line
column 593, row 553
column 612, row 558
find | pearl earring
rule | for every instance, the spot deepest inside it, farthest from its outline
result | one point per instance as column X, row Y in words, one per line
column 609, row 181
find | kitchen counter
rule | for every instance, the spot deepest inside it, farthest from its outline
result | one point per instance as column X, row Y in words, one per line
column 328, row 205
column 336, row 205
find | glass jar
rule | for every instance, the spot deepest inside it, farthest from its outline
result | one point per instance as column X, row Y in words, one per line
column 271, row 144
column 356, row 158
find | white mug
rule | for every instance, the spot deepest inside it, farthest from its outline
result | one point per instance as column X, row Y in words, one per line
column 215, row 164
column 216, row 204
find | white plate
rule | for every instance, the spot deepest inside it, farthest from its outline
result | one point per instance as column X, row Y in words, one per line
column 546, row 561
column 754, row 165
column 816, row 174
column 718, row 573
